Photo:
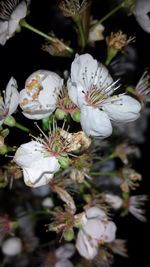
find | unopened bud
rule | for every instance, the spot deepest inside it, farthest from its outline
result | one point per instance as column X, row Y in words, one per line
column 64, row 161
column 60, row 114
column 76, row 115
column 68, row 234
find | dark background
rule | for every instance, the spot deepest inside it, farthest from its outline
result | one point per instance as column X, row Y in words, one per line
column 22, row 55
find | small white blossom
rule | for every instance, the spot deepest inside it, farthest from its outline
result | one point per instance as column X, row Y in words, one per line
column 90, row 88
column 12, row 246
column 11, row 12
column 95, row 228
column 9, row 104
column 114, row 201
column 38, row 98
column 96, row 34
column 40, row 159
column 38, row 168
column 135, row 207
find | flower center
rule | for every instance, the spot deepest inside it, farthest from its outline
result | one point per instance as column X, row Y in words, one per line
column 64, row 102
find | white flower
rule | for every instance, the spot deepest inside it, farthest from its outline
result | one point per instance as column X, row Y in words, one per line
column 40, row 159
column 12, row 246
column 9, row 104
column 135, row 207
column 114, row 201
column 96, row 34
column 11, row 12
column 90, row 87
column 95, row 229
column 141, row 12
column 63, row 253
column 38, row 168
column 38, row 98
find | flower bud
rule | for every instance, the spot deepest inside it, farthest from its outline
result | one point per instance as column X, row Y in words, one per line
column 76, row 115
column 68, row 234
column 64, row 161
column 60, row 114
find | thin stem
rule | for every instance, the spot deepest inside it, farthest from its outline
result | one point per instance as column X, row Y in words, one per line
column 81, row 32
column 52, row 40
column 113, row 11
column 102, row 173
column 21, row 127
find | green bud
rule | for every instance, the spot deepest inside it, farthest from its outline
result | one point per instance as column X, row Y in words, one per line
column 60, row 114
column 46, row 122
column 5, row 132
column 76, row 115
column 64, row 161
column 68, row 234
column 10, row 121
column 3, row 150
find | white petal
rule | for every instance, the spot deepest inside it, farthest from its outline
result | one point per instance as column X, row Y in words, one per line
column 66, row 251
column 3, row 32
column 95, row 122
column 51, row 86
column 122, row 108
column 94, row 228
column 72, row 91
column 142, row 9
column 95, row 212
column 63, row 263
column 12, row 96
column 41, row 172
column 110, row 232
column 87, row 247
column 28, row 153
column 18, row 14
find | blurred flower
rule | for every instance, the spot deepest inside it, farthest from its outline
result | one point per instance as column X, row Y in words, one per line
column 141, row 12
column 114, row 201
column 48, row 202
column 142, row 89
column 38, row 98
column 123, row 151
column 135, row 206
column 95, row 229
column 118, row 246
column 73, row 8
column 96, row 34
column 11, row 12
column 12, row 246
column 61, row 256
column 10, row 102
column 130, row 178
column 90, row 87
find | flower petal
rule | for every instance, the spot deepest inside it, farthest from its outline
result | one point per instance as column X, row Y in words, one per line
column 65, row 252
column 64, row 263
column 122, row 108
column 18, row 14
column 28, row 153
column 95, row 122
column 51, row 86
column 41, row 171
column 95, row 229
column 87, row 247
column 3, row 32
column 141, row 12
column 95, row 212
column 11, row 96
column 110, row 232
